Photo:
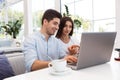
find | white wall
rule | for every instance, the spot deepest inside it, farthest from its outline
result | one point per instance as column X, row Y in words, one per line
column 118, row 24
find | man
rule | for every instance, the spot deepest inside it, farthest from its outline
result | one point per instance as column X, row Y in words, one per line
column 41, row 47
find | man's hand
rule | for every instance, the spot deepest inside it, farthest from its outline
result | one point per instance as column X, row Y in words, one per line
column 70, row 59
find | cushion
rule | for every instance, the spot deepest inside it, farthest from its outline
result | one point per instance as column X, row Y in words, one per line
column 1, row 52
column 5, row 67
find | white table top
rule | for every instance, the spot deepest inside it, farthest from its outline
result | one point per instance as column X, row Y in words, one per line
column 107, row 71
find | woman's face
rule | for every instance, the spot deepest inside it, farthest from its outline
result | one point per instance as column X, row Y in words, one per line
column 67, row 28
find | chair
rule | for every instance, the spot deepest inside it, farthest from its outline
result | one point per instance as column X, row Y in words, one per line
column 16, row 60
column 117, row 49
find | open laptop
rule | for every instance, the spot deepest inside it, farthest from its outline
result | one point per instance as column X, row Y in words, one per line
column 95, row 48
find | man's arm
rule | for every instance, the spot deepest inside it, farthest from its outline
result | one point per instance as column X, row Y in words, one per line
column 37, row 64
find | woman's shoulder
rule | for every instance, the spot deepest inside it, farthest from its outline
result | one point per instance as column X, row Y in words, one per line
column 75, row 39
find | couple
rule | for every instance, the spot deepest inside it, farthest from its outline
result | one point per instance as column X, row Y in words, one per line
column 41, row 47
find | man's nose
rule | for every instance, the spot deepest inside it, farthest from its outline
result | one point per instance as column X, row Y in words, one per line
column 57, row 27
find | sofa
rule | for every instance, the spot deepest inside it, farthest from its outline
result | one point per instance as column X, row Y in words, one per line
column 16, row 60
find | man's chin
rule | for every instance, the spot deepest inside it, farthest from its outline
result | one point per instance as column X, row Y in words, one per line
column 52, row 34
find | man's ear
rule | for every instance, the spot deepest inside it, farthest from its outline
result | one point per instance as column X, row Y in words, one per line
column 45, row 21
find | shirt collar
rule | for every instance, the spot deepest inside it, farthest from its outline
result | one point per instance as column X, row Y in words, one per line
column 43, row 36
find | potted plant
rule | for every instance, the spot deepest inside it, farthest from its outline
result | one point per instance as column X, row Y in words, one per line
column 76, row 21
column 12, row 28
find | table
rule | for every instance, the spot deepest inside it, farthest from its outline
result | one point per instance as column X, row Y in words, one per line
column 107, row 71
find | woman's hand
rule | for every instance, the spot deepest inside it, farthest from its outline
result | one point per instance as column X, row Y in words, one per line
column 74, row 49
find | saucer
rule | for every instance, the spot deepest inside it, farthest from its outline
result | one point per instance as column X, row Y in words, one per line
column 67, row 70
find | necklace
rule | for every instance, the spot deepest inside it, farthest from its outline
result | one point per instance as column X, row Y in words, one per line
column 65, row 39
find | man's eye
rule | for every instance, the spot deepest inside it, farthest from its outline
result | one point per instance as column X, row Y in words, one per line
column 55, row 23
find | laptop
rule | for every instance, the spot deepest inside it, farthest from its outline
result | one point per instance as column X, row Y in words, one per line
column 95, row 48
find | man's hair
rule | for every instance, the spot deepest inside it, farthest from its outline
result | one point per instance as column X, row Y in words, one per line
column 62, row 25
column 50, row 14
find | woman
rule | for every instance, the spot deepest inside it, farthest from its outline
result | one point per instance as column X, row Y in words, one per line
column 64, row 34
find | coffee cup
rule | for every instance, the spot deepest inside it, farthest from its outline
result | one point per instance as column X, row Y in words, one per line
column 58, row 65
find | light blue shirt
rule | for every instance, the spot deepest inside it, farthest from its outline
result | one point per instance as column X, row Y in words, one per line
column 37, row 48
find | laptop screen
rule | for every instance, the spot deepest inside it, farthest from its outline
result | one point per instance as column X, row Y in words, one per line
column 95, row 48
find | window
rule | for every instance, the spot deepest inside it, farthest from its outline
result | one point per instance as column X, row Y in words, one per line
column 12, row 11
column 38, row 7
column 104, row 15
column 96, row 15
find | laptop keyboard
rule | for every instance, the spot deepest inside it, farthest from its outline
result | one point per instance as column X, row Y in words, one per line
column 73, row 64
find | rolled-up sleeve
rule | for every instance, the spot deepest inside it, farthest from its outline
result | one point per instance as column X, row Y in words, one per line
column 29, row 53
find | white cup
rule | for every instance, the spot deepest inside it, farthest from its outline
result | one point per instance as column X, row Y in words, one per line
column 58, row 65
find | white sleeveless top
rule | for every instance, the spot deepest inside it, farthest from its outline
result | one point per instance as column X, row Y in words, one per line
column 73, row 41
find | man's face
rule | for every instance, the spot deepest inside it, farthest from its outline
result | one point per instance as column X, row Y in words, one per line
column 52, row 26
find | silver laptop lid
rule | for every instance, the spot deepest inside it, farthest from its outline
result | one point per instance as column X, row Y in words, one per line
column 95, row 48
